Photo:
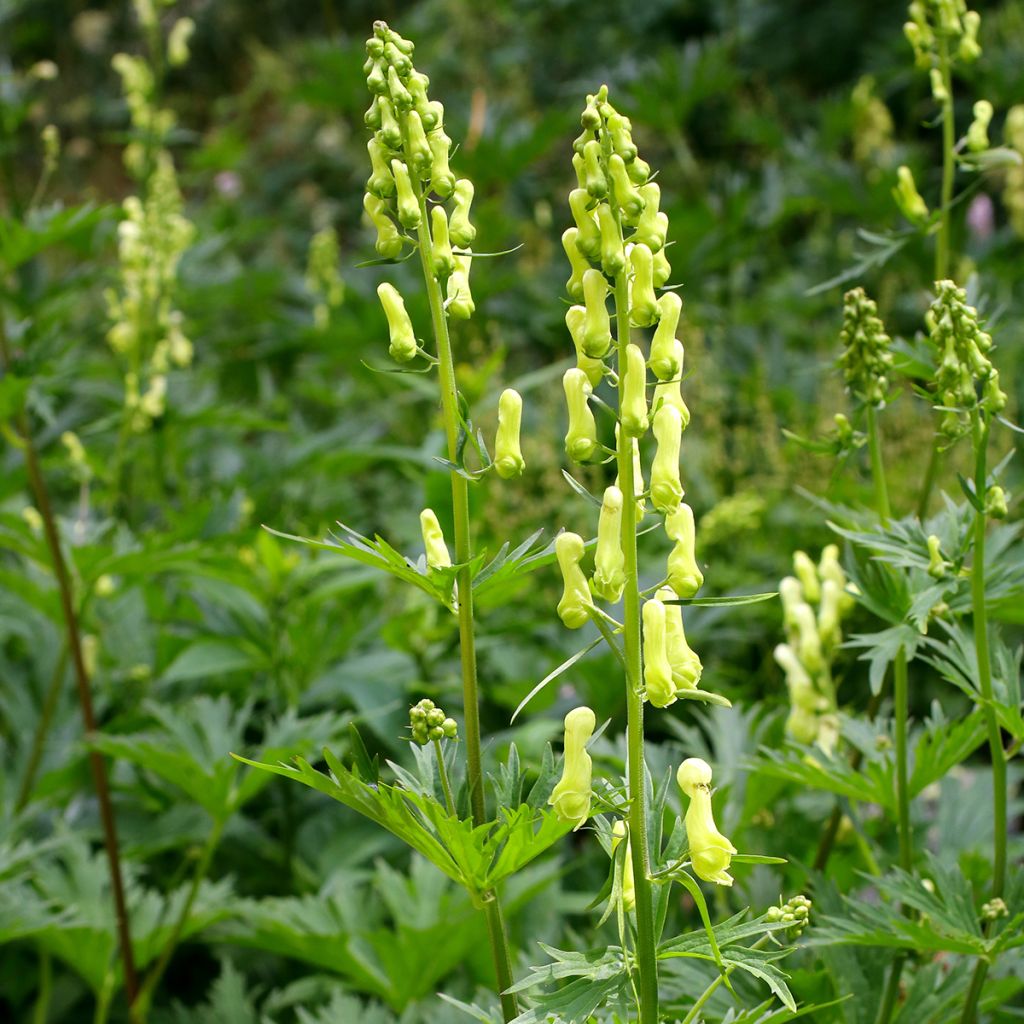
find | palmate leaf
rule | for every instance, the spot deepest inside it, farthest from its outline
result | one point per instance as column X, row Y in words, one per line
column 942, row 745
column 807, row 766
column 23, row 239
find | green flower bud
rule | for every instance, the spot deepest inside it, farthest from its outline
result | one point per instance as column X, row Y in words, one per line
column 791, row 594
column 620, row 131
column 830, row 568
column 661, row 691
column 686, row 665
column 581, row 438
column 977, row 134
column 995, row 503
column 652, row 227
column 435, row 717
column 597, row 183
column 442, row 181
column 376, row 78
column 684, row 577
column 391, row 133
column 575, row 320
column 668, row 392
column 450, row 728
column 372, row 118
column 644, row 308
column 633, row 412
column 662, row 269
column 462, row 231
column 629, row 200
column 577, row 261
column 408, row 207
column 508, row 457
column 419, row 148
column 460, row 304
column 829, row 615
column 442, row 258
column 710, row 852
column 666, row 490
column 435, row 732
column 638, row 472
column 639, row 171
column 939, row 91
column 575, row 600
column 434, row 545
column 380, row 183
column 807, row 573
column 937, row 565
column 571, row 796
column 908, row 199
column 809, row 642
column 433, row 117
column 666, row 354
column 389, row 238
column 969, row 49
column 401, row 98
column 597, row 329
column 580, row 167
column 798, row 680
column 591, row 117
column 588, row 241
column 609, row 561
column 613, row 256
column 398, row 61
column 403, row 339
column 994, row 909
column 628, row 879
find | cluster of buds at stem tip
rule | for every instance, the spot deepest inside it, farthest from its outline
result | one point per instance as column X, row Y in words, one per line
column 409, row 155
column 710, row 852
column 571, row 796
column 866, row 359
column 815, row 600
column 429, row 723
column 795, row 912
column 937, row 27
column 965, row 379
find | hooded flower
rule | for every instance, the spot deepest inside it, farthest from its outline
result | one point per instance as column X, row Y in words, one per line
column 710, row 852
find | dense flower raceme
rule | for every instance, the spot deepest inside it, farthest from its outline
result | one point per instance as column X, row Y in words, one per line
column 866, row 359
column 710, row 852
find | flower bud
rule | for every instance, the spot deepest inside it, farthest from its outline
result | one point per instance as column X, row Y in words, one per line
column 639, row 171
column 628, row 198
column 581, row 438
column 575, row 320
column 830, row 568
column 460, row 304
column 597, row 183
column 666, row 490
column 666, row 353
column 597, row 330
column 791, row 595
column 462, row 231
column 710, row 852
column 995, row 502
column 807, row 573
column 937, row 566
column 177, row 42
column 628, row 878
column 571, row 796
column 408, row 207
column 442, row 259
column 684, row 577
column 391, row 133
column 380, row 182
column 620, row 132
column 829, row 615
column 808, row 640
column 419, row 149
column 613, row 256
column 668, row 392
column 433, row 542
column 450, row 728
column 401, row 98
column 644, row 308
column 403, row 339
column 969, row 49
column 442, row 181
column 633, row 412
column 661, row 691
column 372, row 117
column 389, row 238
column 652, row 226
column 908, row 199
column 977, row 133
column 662, row 269
column 588, row 240
column 508, row 457
column 939, row 91
column 577, row 261
column 609, row 561
column 686, row 665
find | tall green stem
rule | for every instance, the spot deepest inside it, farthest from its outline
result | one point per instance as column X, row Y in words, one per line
column 877, row 466
column 646, row 952
column 901, row 708
column 464, row 581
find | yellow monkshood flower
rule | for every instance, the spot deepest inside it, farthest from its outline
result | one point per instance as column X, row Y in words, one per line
column 628, row 883
column 710, row 852
column 571, row 796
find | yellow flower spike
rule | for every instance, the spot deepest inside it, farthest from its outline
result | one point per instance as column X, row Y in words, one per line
column 403, row 339
column 419, row 147
column 666, row 490
column 627, row 196
column 628, row 883
column 661, row 691
column 589, row 240
column 807, row 572
column 609, row 561
column 575, row 320
column 508, row 456
column 460, row 298
column 597, row 183
column 442, row 181
column 575, row 599
column 684, row 577
column 462, row 231
column 808, row 640
column 433, row 541
column 380, row 183
column 581, row 438
column 638, row 474
column 666, row 360
column 408, row 207
column 442, row 256
column 577, row 262
column 669, row 392
column 710, row 852
column 571, row 796
column 633, row 412
column 613, row 256
column 389, row 238
column 652, row 226
column 686, row 665
column 644, row 307
column 597, row 329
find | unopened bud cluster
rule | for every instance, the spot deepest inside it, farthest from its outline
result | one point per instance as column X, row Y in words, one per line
column 814, row 601
column 965, row 378
column 429, row 723
column 934, row 22
column 866, row 359
column 795, row 912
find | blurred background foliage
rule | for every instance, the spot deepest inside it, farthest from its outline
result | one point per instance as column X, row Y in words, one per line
column 776, row 126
